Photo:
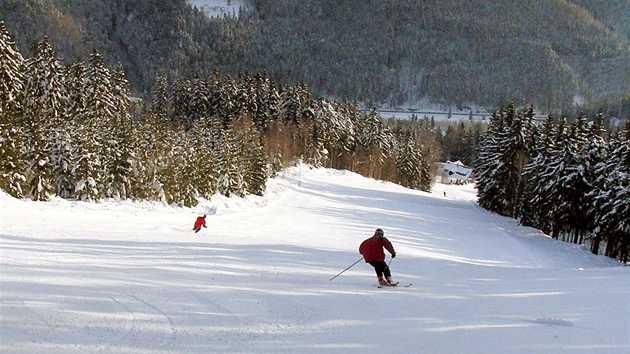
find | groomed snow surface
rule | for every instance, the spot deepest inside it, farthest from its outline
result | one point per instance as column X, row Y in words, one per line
column 131, row 277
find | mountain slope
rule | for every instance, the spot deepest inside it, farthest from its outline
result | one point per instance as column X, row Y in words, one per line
column 133, row 277
column 376, row 52
column 613, row 13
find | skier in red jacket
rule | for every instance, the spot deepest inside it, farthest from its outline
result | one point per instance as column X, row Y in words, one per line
column 201, row 221
column 372, row 251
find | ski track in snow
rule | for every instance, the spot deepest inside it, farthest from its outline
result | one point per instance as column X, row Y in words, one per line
column 131, row 277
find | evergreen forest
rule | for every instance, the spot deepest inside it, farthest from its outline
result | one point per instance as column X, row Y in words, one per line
column 72, row 131
column 569, row 179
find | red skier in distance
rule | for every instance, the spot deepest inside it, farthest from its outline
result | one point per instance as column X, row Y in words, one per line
column 201, row 221
column 372, row 251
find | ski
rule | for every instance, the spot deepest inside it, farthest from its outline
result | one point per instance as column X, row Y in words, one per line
column 395, row 286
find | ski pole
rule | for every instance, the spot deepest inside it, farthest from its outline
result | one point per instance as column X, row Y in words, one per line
column 360, row 259
column 390, row 261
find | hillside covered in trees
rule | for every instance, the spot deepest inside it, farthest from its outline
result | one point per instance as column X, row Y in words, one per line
column 70, row 131
column 395, row 53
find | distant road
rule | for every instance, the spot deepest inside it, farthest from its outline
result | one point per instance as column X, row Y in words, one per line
column 438, row 115
column 441, row 115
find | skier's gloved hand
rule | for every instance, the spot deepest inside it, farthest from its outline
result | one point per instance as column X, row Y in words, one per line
column 394, row 255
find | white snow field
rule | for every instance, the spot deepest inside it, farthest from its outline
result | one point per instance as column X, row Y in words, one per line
column 125, row 277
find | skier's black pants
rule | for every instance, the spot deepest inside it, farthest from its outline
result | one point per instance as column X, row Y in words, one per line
column 381, row 268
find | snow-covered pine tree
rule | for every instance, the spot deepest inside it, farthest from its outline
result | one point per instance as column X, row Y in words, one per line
column 195, row 174
column 426, row 174
column 202, row 159
column 548, row 182
column 533, row 202
column 152, row 137
column 374, row 143
column 61, row 159
column 602, row 195
column 216, row 95
column 593, row 150
column 160, row 109
column 87, row 165
column 472, row 141
column 456, row 143
column 181, row 103
column 315, row 152
column 286, row 137
column 489, row 170
column 412, row 167
column 169, row 162
column 331, row 134
column 75, row 125
column 520, row 148
column 119, row 176
column 230, row 171
column 342, row 141
column 99, row 90
column 296, row 104
column 144, row 166
column 185, row 172
column 44, row 103
column 259, row 171
column 86, row 157
column 267, row 102
column 620, row 179
column 562, row 179
column 199, row 99
column 504, row 153
column 213, row 129
column 11, row 75
column 223, row 104
column 611, row 196
column 255, row 160
column 12, row 162
column 246, row 98
column 75, row 86
column 92, row 156
column 12, row 166
column 574, row 184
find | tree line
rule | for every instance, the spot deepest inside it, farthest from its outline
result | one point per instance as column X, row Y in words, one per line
column 72, row 131
column 569, row 179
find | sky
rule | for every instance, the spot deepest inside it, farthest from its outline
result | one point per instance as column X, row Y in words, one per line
column 132, row 277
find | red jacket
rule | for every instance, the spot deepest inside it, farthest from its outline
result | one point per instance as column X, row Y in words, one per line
column 201, row 221
column 372, row 249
